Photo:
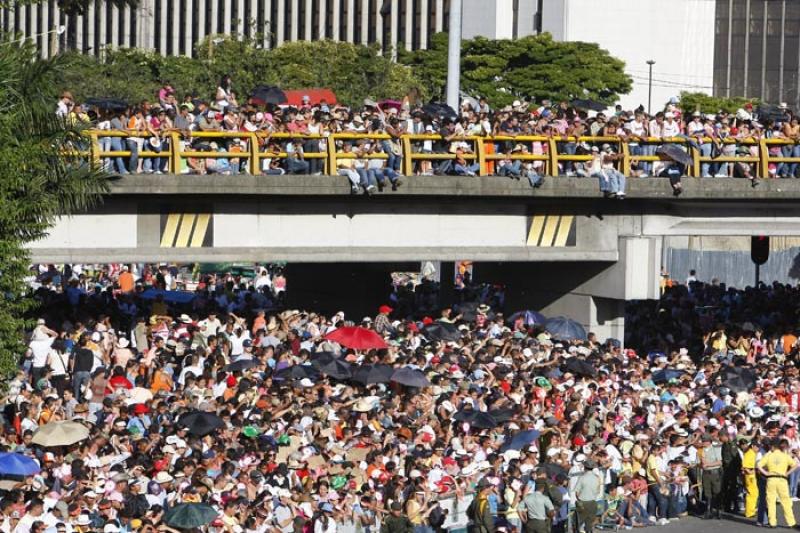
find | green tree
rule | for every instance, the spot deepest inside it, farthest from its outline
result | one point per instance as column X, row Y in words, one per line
column 352, row 71
column 534, row 67
column 691, row 102
column 38, row 180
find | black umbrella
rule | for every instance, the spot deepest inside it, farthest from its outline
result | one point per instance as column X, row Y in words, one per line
column 337, row 369
column 106, row 103
column 319, row 359
column 296, row 372
column 502, row 415
column 585, row 103
column 738, row 379
column 439, row 110
column 553, row 470
column 666, row 374
column 201, row 423
column 673, row 152
column 468, row 311
column 580, row 367
column 479, row 419
column 410, row 377
column 241, row 364
column 565, row 328
column 267, row 94
column 441, row 331
column 369, row 374
column 190, row 515
column 766, row 112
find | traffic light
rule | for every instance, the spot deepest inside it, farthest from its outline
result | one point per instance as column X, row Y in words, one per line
column 759, row 249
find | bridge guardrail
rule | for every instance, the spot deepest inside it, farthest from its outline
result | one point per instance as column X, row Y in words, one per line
column 254, row 147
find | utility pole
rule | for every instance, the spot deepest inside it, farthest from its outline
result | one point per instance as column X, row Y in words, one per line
column 650, row 63
column 454, row 56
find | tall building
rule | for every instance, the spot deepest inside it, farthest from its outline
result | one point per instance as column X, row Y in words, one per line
column 757, row 50
column 173, row 27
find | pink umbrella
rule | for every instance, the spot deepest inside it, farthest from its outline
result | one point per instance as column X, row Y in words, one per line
column 391, row 103
column 357, row 338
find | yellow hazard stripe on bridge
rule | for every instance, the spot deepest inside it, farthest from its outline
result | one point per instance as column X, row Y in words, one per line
column 185, row 230
column 548, row 231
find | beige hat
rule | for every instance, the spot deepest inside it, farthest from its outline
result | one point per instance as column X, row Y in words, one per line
column 163, row 477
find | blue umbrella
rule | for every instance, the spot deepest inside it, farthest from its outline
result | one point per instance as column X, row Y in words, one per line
column 565, row 328
column 520, row 440
column 666, row 374
column 16, row 464
column 530, row 318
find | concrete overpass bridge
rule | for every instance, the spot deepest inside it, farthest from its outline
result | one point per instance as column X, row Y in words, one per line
column 561, row 248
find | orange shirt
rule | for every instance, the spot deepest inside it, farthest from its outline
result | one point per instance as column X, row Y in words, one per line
column 161, row 382
column 788, row 342
column 126, row 282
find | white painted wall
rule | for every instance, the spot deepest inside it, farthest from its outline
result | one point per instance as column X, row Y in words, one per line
column 368, row 230
column 677, row 34
column 92, row 231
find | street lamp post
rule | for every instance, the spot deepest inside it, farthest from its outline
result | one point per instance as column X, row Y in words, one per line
column 650, row 63
column 454, row 56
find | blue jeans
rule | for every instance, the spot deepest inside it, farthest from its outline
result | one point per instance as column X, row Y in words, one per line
column 569, row 149
column 153, row 164
column 133, row 162
column 611, row 181
column 296, row 166
column 635, row 150
column 366, row 178
column 789, row 170
column 657, row 503
column 706, row 169
column 467, row 170
column 534, row 178
column 116, row 146
column 394, row 160
column 761, row 508
column 647, row 166
column 512, row 170
column 78, row 380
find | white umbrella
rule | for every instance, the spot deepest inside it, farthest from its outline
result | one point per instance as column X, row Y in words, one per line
column 62, row 433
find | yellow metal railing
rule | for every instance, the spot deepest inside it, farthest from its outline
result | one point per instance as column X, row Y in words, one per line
column 252, row 147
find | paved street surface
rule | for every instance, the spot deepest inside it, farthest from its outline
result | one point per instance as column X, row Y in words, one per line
column 728, row 524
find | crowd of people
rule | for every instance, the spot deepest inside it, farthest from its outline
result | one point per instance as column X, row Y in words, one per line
column 371, row 164
column 223, row 412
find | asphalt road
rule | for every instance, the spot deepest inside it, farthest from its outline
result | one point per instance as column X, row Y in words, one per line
column 727, row 524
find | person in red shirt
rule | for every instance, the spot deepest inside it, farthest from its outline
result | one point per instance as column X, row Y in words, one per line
column 118, row 380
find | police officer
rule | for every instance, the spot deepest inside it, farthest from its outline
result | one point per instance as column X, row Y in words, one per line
column 712, row 474
column 537, row 509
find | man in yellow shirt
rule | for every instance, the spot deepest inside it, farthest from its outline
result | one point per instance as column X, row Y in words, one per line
column 776, row 467
column 749, row 474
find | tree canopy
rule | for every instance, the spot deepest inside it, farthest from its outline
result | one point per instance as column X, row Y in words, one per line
column 38, row 180
column 534, row 67
column 712, row 104
column 352, row 71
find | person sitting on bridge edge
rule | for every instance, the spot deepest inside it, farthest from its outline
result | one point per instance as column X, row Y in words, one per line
column 612, row 181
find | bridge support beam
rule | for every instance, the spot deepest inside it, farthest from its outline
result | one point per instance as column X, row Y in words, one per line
column 593, row 293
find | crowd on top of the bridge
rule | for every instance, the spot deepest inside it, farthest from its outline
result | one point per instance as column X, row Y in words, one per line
column 140, row 408
column 229, row 112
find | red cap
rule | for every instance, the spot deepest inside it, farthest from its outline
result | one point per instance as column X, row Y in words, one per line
column 427, row 321
column 412, row 326
column 140, row 409
column 231, row 381
column 385, row 309
column 449, row 461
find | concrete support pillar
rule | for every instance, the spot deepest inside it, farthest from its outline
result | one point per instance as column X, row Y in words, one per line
column 162, row 37
column 394, row 23
column 439, row 20
column 267, row 28
column 127, row 15
column 279, row 31
column 423, row 24
column 364, row 21
column 323, row 19
column 45, row 40
column 408, row 40
column 351, row 21
column 294, row 23
column 240, row 20
column 336, row 19
column 228, row 15
column 145, row 25
column 200, row 32
column 214, row 18
column 191, row 32
column 115, row 40
column 309, row 19
column 175, row 38
column 91, row 44
column 378, row 24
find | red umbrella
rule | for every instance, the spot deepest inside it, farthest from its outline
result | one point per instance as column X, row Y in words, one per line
column 356, row 338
